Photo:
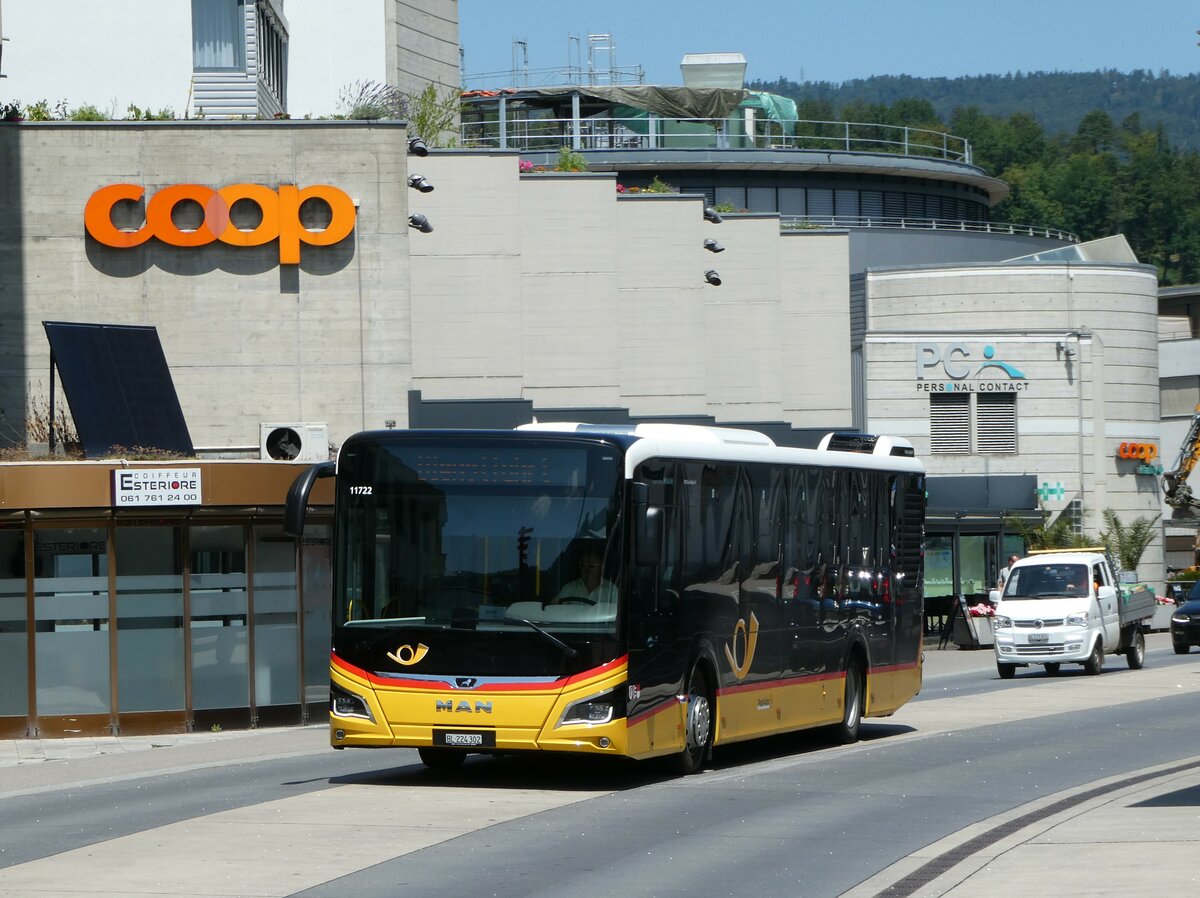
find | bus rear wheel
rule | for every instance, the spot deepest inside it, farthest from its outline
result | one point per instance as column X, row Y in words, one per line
column 697, row 724
column 442, row 758
column 846, row 732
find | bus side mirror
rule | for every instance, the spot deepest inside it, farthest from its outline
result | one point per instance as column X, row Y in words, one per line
column 647, row 526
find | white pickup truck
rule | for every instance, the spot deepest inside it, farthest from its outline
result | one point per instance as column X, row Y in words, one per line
column 1065, row 607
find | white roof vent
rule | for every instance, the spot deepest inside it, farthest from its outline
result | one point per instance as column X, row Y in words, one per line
column 714, row 70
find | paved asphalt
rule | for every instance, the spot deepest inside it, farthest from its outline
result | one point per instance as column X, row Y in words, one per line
column 1127, row 835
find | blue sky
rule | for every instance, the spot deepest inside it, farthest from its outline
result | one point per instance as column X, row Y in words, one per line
column 844, row 39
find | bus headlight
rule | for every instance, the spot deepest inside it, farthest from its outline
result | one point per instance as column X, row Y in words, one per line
column 594, row 709
column 347, row 704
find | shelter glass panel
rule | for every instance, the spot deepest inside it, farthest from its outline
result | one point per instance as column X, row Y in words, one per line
column 72, row 620
column 150, row 656
column 316, row 561
column 220, row 644
column 14, row 652
column 276, row 634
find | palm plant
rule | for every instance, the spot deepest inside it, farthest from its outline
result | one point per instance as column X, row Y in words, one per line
column 1126, row 543
column 1057, row 534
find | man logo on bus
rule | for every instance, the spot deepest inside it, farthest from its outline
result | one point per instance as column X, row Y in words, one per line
column 407, row 655
column 749, row 639
column 955, row 359
column 279, row 210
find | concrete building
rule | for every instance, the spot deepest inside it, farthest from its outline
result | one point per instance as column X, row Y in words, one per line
column 226, row 58
column 1015, row 380
column 1179, row 381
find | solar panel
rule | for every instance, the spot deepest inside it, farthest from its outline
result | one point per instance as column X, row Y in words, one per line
column 119, row 387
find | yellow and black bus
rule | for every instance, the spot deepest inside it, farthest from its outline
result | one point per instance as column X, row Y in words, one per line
column 642, row 591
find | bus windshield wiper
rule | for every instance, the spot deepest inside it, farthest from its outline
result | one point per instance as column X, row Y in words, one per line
column 570, row 652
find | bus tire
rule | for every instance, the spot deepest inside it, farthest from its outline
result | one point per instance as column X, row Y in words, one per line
column 846, row 732
column 1135, row 655
column 697, row 724
column 442, row 758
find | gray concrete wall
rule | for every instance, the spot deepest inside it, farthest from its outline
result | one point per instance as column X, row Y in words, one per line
column 248, row 340
column 552, row 288
column 422, row 44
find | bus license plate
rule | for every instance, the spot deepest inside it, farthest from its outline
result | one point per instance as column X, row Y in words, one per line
column 464, row 738
column 1039, row 638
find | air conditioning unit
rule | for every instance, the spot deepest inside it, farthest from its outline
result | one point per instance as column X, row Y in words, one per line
column 293, row 442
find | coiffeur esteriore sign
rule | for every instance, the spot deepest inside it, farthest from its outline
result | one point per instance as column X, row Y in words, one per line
column 280, row 216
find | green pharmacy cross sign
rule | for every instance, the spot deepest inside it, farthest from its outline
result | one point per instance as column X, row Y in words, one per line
column 1046, row 491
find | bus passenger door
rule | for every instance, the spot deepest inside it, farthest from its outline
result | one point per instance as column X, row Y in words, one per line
column 657, row 652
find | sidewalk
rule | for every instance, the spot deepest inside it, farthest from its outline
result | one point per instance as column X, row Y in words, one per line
column 1129, row 835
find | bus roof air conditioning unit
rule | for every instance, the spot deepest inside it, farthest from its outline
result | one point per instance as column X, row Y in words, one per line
column 297, row 442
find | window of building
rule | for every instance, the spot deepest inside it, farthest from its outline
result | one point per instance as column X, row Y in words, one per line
column 219, row 35
column 957, row 429
column 949, row 423
column 996, row 422
column 1179, row 395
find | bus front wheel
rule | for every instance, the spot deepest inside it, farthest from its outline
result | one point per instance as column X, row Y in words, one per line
column 697, row 724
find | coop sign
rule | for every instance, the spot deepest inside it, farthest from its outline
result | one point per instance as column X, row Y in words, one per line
column 965, row 368
column 279, row 208
column 155, row 487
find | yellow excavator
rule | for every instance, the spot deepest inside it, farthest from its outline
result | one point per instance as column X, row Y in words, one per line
column 1175, row 481
column 1176, row 489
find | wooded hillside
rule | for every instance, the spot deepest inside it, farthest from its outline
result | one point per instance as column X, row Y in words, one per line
column 1072, row 166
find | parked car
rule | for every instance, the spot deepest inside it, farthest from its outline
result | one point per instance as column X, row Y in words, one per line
column 1185, row 622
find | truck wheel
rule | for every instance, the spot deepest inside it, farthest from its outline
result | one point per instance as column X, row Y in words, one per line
column 697, row 724
column 1135, row 655
column 1052, row 668
column 1095, row 662
column 1006, row 671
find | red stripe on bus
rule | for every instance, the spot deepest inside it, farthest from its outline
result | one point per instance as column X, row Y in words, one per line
column 665, row 705
column 435, row 685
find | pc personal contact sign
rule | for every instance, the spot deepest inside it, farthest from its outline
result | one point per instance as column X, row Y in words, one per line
column 156, row 487
column 279, row 209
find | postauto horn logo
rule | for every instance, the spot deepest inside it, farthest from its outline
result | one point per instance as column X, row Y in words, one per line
column 280, row 210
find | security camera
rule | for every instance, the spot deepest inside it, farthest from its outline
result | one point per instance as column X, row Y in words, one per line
column 712, row 277
column 417, row 147
column 711, row 214
column 417, row 182
column 421, row 223
column 712, row 246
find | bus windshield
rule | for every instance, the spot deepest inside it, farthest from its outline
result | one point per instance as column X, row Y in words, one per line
column 470, row 534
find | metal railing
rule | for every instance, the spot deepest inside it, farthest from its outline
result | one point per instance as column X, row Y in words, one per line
column 803, row 222
column 658, row 133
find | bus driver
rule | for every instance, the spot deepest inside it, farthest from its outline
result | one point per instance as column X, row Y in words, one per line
column 589, row 587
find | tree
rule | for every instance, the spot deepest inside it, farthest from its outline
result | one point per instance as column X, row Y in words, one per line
column 433, row 116
column 1126, row 543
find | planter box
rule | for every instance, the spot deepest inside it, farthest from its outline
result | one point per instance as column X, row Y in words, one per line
column 980, row 628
